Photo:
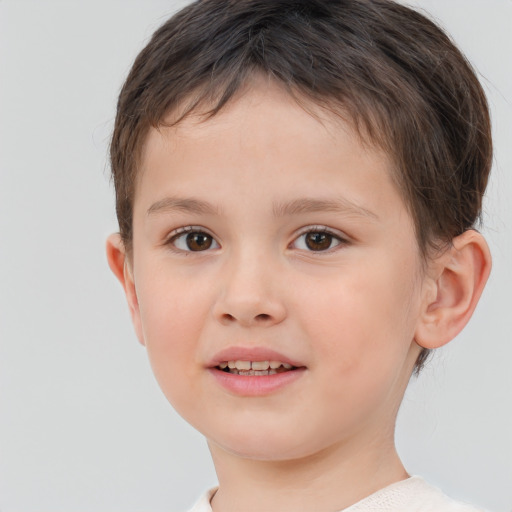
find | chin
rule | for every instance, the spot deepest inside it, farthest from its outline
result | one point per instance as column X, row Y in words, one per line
column 263, row 452
column 269, row 445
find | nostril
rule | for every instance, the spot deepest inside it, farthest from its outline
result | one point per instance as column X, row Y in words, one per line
column 246, row 317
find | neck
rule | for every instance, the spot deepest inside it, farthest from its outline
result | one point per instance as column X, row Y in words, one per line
column 327, row 481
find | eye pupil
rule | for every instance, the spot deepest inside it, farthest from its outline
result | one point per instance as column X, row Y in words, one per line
column 199, row 241
column 318, row 241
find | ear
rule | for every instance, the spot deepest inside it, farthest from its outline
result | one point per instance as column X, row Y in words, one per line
column 120, row 265
column 455, row 282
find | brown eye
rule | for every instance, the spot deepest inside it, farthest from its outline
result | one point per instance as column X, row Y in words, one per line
column 318, row 241
column 194, row 241
column 199, row 241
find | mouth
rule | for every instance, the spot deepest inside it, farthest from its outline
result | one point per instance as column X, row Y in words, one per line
column 255, row 368
column 255, row 371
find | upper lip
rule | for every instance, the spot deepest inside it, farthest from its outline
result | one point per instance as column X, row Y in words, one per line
column 250, row 354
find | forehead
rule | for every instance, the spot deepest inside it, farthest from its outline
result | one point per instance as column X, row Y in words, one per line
column 257, row 110
column 264, row 135
column 271, row 99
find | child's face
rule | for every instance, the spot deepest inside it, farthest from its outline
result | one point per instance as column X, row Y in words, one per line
column 265, row 234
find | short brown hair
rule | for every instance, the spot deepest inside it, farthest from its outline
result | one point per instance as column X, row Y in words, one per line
column 387, row 68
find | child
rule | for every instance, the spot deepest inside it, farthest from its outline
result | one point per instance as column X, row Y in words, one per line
column 297, row 184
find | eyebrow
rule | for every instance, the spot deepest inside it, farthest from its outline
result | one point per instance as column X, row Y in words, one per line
column 183, row 204
column 295, row 207
column 308, row 205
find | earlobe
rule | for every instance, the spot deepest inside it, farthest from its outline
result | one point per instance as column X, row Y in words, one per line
column 121, row 268
column 457, row 279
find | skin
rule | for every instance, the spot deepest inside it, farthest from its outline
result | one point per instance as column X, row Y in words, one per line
column 354, row 314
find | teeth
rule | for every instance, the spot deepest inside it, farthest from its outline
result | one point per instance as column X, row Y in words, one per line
column 254, row 367
column 253, row 372
column 260, row 365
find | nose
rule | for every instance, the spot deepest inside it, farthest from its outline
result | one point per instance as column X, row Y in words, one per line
column 249, row 294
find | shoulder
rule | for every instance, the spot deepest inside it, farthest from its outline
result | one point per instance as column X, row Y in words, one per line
column 203, row 504
column 411, row 495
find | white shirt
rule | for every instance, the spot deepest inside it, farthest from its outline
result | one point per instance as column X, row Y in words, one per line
column 411, row 495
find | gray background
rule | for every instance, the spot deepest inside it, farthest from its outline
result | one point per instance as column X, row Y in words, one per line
column 83, row 426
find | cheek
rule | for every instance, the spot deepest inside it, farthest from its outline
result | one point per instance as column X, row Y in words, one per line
column 172, row 316
column 362, row 332
column 364, row 318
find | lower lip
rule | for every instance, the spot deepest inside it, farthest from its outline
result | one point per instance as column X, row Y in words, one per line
column 252, row 385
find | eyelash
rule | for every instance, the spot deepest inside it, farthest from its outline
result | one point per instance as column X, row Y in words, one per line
column 322, row 230
column 184, row 232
